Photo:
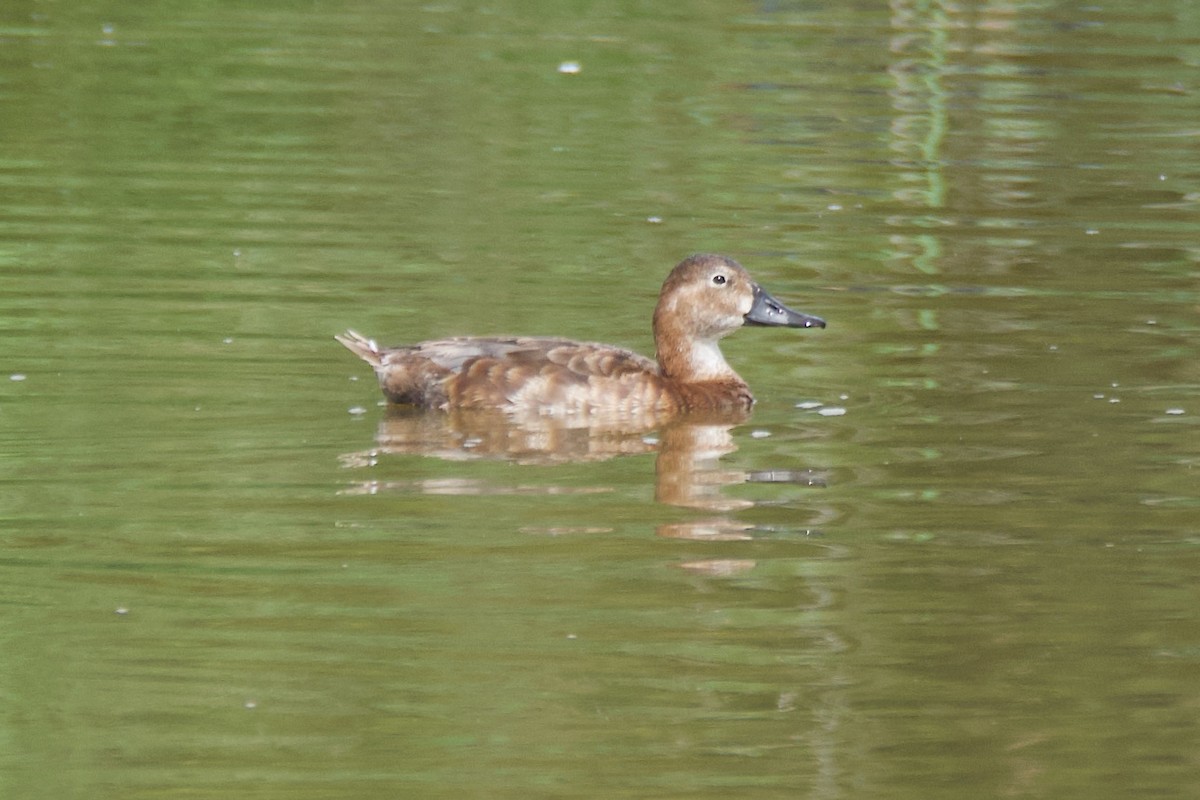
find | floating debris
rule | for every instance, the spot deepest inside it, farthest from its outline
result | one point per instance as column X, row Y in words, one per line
column 357, row 411
column 809, row 405
column 17, row 376
column 759, row 434
column 1175, row 412
column 832, row 411
column 570, row 67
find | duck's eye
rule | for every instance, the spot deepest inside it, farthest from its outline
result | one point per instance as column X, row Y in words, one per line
column 719, row 280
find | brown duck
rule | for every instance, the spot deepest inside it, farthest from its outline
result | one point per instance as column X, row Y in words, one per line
column 704, row 298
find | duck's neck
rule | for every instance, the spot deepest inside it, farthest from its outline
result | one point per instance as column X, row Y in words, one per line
column 688, row 359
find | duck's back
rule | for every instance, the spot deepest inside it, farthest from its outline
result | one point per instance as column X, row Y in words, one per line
column 548, row 375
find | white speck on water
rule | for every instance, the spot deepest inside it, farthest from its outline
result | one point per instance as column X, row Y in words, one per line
column 357, row 411
column 1114, row 400
column 832, row 411
column 650, row 440
column 654, row 220
column 572, row 636
column 570, row 67
column 250, row 705
column 1162, row 177
column 17, row 376
column 353, row 377
column 1092, row 231
column 1098, row 396
column 237, row 252
column 1114, row 384
column 1151, row 322
column 121, row 611
column 759, row 434
column 843, row 397
column 1053, row 348
column 1175, row 412
column 227, row 340
column 833, row 207
column 809, row 405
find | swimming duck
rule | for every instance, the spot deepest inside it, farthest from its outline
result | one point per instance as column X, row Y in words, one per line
column 704, row 298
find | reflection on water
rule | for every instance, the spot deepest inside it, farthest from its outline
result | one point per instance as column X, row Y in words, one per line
column 525, row 439
column 688, row 451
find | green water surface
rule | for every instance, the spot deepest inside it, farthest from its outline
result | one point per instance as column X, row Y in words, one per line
column 953, row 553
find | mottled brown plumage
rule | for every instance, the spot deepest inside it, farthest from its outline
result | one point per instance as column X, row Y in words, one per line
column 704, row 298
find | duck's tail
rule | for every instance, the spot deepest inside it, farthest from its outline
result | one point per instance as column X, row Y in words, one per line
column 361, row 346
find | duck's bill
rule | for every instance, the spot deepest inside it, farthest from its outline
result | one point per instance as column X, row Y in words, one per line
column 769, row 311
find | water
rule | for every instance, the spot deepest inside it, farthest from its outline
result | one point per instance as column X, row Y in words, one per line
column 227, row 570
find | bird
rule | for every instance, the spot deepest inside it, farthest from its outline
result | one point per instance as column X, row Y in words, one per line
column 704, row 298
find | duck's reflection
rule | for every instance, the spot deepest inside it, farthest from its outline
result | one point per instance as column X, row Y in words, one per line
column 688, row 450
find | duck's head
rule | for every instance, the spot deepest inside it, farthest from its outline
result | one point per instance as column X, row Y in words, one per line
column 705, row 298
column 711, row 296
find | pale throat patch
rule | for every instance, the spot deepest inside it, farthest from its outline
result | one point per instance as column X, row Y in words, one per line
column 707, row 360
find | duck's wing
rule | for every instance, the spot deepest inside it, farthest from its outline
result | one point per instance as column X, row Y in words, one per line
column 548, row 376
column 530, row 354
column 504, row 372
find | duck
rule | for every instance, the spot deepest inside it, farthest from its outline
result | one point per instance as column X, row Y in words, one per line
column 704, row 298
